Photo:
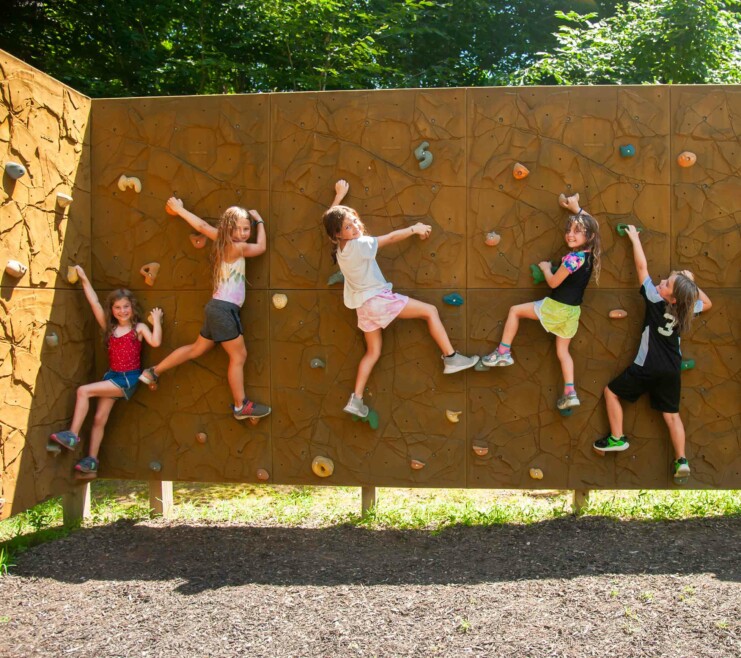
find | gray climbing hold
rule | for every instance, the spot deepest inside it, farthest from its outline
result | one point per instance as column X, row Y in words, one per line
column 423, row 155
column 15, row 170
column 336, row 277
column 317, row 363
column 155, row 466
column 480, row 366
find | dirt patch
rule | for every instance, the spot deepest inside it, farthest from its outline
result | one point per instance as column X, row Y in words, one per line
column 569, row 587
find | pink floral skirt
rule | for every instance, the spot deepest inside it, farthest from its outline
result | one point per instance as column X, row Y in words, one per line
column 378, row 311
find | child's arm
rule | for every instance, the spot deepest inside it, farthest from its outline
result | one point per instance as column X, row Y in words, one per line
column 200, row 225
column 638, row 256
column 153, row 336
column 249, row 249
column 706, row 303
column 420, row 229
column 341, row 188
column 92, row 297
column 553, row 280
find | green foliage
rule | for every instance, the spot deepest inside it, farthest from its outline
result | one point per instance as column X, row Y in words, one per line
column 651, row 41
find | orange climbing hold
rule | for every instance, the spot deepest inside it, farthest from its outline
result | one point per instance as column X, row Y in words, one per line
column 520, row 171
column 150, row 272
column 686, row 159
column 416, row 464
column 492, row 239
column 198, row 240
column 618, row 314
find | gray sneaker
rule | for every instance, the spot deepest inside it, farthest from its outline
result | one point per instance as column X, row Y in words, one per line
column 568, row 401
column 497, row 359
column 356, row 407
column 458, row 362
column 250, row 409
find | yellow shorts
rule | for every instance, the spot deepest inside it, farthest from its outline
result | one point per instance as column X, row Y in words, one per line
column 557, row 318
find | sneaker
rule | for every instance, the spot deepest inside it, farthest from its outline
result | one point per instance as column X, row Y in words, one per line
column 496, row 358
column 681, row 468
column 610, row 444
column 250, row 409
column 567, row 401
column 67, row 438
column 148, row 376
column 87, row 465
column 458, row 362
column 356, row 407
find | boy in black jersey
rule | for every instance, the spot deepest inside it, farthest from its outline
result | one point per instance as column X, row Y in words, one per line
column 670, row 307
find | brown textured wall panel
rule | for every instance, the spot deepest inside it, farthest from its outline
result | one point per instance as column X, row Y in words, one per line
column 369, row 138
column 213, row 152
column 44, row 127
column 706, row 199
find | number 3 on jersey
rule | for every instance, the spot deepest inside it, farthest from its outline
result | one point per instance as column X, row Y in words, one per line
column 668, row 328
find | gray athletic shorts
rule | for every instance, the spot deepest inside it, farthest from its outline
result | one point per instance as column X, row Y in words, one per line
column 222, row 321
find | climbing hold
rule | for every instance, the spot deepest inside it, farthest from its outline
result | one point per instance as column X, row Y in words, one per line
column 621, row 228
column 492, row 239
column 423, row 155
column 323, row 467
column 72, row 275
column 627, row 151
column 63, row 200
column 53, row 448
column 129, row 183
column 618, row 314
column 416, row 464
column 155, row 466
column 201, row 437
column 480, row 366
column 16, row 269
column 454, row 299
column 688, row 364
column 51, row 339
column 336, row 277
column 536, row 474
column 280, row 300
column 686, row 159
column 198, row 240
column 149, row 272
column 372, row 419
column 537, row 273
column 262, row 475
column 15, row 170
column 452, row 416
column 317, row 363
column 481, row 449
column 520, row 171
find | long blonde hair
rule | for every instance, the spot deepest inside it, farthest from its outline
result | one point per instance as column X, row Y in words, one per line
column 685, row 293
column 590, row 226
column 223, row 241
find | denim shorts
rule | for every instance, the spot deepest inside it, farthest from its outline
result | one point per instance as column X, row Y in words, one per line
column 222, row 322
column 126, row 381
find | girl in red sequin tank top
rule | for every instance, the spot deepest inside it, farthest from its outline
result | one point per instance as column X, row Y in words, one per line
column 124, row 333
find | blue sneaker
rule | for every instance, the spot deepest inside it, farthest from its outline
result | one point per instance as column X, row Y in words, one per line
column 496, row 358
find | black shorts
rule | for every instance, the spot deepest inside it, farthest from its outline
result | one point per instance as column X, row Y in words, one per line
column 222, row 322
column 664, row 388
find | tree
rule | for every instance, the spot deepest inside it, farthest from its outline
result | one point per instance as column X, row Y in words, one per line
column 652, row 41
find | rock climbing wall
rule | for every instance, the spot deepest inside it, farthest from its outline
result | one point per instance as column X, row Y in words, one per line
column 45, row 326
column 445, row 157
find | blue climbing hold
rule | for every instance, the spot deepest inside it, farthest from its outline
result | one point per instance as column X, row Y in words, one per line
column 627, row 151
column 337, row 277
column 454, row 299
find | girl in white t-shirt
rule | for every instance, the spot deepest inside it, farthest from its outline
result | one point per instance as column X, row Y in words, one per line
column 367, row 291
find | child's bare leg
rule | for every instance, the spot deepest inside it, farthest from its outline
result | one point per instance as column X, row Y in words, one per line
column 82, row 405
column 103, row 411
column 676, row 432
column 567, row 363
column 512, row 325
column 237, row 352
column 373, row 342
column 614, row 413
column 423, row 311
column 183, row 354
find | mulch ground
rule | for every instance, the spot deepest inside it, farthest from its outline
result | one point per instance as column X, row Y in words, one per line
column 569, row 587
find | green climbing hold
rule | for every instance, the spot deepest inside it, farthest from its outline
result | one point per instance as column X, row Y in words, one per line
column 336, row 277
column 688, row 364
column 621, row 228
column 371, row 419
column 317, row 363
column 538, row 276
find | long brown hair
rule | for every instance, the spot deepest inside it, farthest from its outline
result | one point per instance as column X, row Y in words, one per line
column 333, row 219
column 110, row 322
column 685, row 295
column 223, row 241
column 590, row 226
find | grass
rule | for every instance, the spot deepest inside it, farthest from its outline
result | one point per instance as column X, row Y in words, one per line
column 427, row 509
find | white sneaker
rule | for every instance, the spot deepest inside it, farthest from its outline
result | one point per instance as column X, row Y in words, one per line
column 496, row 359
column 458, row 362
column 356, row 407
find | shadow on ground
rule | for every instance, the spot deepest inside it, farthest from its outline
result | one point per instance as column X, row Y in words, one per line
column 206, row 557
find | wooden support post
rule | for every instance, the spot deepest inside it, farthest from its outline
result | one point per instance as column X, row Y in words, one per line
column 580, row 500
column 368, row 497
column 76, row 504
column 160, row 498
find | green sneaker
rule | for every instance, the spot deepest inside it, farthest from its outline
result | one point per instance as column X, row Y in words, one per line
column 610, row 444
column 681, row 469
